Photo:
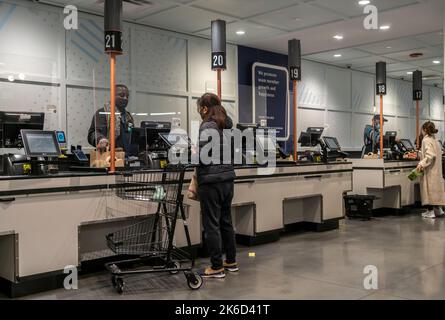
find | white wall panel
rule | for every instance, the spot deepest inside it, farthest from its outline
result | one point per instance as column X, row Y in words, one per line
column 363, row 91
column 82, row 104
column 391, row 125
column 404, row 98
column 310, row 118
column 160, row 108
column 32, row 48
column 436, row 104
column 311, row 90
column 389, row 100
column 338, row 88
column 159, row 61
column 339, row 126
column 404, row 131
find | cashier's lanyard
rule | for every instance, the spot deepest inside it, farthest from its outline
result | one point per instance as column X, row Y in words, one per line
column 124, row 132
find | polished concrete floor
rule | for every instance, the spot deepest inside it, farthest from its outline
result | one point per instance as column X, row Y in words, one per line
column 409, row 254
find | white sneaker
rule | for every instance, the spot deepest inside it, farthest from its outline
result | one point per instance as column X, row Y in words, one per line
column 439, row 213
column 428, row 215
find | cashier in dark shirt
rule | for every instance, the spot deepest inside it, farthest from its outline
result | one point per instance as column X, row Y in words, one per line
column 99, row 132
column 371, row 136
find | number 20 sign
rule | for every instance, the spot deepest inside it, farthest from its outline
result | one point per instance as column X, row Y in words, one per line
column 218, row 60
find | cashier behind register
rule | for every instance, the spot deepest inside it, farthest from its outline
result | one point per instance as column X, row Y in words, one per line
column 98, row 134
column 371, row 136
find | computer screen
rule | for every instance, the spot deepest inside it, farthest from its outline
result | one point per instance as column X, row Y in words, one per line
column 311, row 137
column 61, row 137
column 175, row 139
column 331, row 143
column 12, row 122
column 389, row 139
column 39, row 143
column 407, row 144
column 304, row 139
column 153, row 139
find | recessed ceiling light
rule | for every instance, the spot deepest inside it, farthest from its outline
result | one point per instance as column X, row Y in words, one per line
column 385, row 27
column 388, row 47
column 409, row 72
column 436, row 61
column 338, row 37
column 364, row 2
column 22, row 76
column 298, row 19
column 241, row 32
column 338, row 55
column 11, row 78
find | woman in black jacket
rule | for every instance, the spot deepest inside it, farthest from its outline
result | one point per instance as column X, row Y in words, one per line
column 215, row 189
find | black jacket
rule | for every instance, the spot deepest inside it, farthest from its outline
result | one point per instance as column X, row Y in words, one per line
column 214, row 173
column 99, row 128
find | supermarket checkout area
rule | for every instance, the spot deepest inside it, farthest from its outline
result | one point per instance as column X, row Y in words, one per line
column 54, row 218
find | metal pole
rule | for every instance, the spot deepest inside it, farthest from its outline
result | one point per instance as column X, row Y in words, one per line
column 381, row 126
column 218, row 72
column 295, row 121
column 112, row 112
column 417, row 125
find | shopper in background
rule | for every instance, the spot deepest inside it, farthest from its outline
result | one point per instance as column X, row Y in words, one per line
column 431, row 184
column 215, row 192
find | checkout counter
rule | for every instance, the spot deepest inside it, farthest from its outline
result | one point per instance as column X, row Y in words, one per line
column 387, row 179
column 51, row 221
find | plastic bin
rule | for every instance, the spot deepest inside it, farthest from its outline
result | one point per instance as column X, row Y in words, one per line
column 359, row 206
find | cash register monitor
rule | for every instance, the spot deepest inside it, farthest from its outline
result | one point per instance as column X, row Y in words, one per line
column 407, row 144
column 39, row 143
column 175, row 139
column 311, row 137
column 154, row 140
column 12, row 122
column 389, row 139
column 331, row 143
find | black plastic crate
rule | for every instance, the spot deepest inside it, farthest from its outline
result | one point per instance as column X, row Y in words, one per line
column 359, row 206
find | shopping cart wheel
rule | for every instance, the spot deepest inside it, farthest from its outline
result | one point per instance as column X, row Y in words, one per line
column 194, row 281
column 175, row 265
column 120, row 285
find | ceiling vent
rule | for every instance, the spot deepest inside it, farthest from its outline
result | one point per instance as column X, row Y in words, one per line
column 416, row 55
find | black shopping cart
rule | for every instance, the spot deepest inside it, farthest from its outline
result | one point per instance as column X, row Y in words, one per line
column 150, row 242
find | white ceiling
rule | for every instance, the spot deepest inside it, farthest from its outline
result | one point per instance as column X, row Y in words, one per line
column 416, row 26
